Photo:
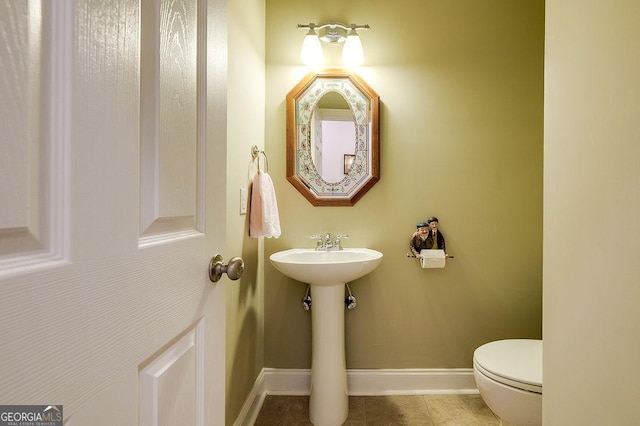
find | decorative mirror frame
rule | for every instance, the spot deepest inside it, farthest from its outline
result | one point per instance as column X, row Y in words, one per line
column 364, row 103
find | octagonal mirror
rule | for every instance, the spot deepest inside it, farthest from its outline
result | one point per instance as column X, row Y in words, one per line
column 333, row 133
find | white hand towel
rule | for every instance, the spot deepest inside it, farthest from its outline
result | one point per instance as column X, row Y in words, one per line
column 263, row 216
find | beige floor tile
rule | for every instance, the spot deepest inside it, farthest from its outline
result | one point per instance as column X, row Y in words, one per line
column 356, row 412
column 394, row 410
column 398, row 410
column 284, row 410
column 294, row 411
column 459, row 410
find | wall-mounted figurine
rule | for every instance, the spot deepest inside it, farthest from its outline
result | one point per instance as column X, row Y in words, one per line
column 427, row 244
column 435, row 239
column 419, row 238
column 427, row 237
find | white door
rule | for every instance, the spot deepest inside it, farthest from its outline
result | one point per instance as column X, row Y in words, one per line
column 113, row 139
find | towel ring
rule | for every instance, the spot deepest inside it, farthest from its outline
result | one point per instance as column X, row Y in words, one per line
column 255, row 154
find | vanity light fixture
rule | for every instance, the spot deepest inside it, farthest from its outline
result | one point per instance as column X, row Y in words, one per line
column 352, row 53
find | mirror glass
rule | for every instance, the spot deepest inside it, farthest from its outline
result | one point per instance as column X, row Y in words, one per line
column 332, row 138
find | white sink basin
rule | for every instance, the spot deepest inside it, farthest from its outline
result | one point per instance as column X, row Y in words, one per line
column 327, row 272
column 326, row 267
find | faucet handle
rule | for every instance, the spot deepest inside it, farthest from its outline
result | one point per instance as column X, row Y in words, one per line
column 318, row 239
column 339, row 239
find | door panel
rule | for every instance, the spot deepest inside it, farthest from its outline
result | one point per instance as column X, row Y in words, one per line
column 106, row 227
column 31, row 187
column 171, row 385
column 168, row 116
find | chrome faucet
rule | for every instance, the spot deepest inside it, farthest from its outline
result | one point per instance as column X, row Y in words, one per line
column 328, row 244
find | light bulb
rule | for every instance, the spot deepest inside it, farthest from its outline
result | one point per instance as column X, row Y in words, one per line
column 352, row 53
column 311, row 52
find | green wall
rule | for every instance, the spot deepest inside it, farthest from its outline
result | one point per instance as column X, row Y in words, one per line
column 461, row 90
column 245, row 297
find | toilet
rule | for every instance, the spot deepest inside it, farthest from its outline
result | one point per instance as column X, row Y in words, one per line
column 508, row 374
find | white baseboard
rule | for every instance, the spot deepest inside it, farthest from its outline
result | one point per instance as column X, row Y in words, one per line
column 287, row 381
column 411, row 381
column 281, row 381
column 253, row 403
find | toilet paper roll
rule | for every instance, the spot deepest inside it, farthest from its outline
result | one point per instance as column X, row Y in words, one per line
column 432, row 259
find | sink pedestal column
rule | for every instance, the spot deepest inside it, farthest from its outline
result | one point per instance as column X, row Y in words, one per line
column 329, row 399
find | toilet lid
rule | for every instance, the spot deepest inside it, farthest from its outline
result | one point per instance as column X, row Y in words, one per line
column 514, row 362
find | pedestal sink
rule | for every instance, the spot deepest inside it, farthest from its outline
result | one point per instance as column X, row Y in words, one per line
column 327, row 272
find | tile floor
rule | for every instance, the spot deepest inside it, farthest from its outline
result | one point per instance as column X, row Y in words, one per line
column 410, row 410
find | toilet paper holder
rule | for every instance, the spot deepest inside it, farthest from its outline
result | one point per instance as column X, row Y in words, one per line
column 432, row 259
column 448, row 256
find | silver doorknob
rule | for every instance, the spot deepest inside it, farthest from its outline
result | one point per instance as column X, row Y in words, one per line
column 233, row 269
